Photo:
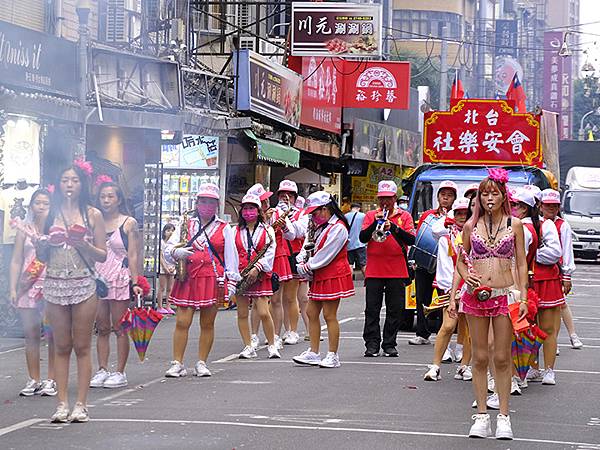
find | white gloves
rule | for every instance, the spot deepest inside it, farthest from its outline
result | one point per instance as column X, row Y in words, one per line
column 182, row 253
column 304, row 271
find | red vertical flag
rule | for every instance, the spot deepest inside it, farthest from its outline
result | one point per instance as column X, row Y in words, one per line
column 517, row 93
column 457, row 88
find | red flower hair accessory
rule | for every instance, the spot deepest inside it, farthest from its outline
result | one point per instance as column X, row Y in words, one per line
column 84, row 165
column 498, row 175
column 103, row 179
column 50, row 188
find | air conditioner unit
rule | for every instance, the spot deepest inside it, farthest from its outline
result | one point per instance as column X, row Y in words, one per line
column 272, row 49
column 247, row 43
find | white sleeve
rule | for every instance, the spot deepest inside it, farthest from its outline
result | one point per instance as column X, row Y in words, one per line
column 444, row 271
column 568, row 259
column 550, row 251
column 265, row 264
column 528, row 239
column 289, row 230
column 336, row 239
column 232, row 261
column 301, row 226
column 438, row 229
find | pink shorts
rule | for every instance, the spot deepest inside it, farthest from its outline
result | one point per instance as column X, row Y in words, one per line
column 493, row 307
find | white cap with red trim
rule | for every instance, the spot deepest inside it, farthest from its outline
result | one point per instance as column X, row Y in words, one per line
column 523, row 195
column 536, row 191
column 208, row 190
column 387, row 188
column 259, row 191
column 447, row 184
column 461, row 203
column 252, row 200
column 550, row 197
column 288, row 186
column 300, row 201
column 316, row 200
column 471, row 188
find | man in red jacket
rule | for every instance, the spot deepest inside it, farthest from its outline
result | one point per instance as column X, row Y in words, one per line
column 387, row 269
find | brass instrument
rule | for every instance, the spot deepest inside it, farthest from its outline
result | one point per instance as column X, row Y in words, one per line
column 309, row 246
column 379, row 235
column 439, row 302
column 281, row 220
column 181, row 264
column 243, row 285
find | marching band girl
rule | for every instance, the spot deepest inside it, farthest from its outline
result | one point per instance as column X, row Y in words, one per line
column 255, row 244
column 324, row 260
column 208, row 256
column 303, row 283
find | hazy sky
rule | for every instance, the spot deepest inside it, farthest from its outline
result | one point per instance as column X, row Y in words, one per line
column 590, row 12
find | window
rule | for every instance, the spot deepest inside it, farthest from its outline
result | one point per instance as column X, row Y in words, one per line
column 411, row 24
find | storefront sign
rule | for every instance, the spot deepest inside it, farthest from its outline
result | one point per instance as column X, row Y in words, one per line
column 38, row 61
column 482, row 132
column 558, row 83
column 322, row 94
column 364, row 189
column 376, row 84
column 267, row 88
column 506, row 37
column 377, row 142
column 336, row 29
column 21, row 150
column 194, row 152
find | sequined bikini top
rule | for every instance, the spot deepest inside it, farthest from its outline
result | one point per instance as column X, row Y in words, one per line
column 504, row 249
column 59, row 236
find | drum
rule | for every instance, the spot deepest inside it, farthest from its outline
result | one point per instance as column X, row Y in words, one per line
column 424, row 252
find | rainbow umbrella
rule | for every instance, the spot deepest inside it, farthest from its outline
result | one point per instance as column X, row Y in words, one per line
column 524, row 345
column 140, row 322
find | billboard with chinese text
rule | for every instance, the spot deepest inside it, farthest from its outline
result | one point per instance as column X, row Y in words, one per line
column 336, row 29
column 482, row 132
column 558, row 72
column 376, row 84
column 194, row 152
column 321, row 94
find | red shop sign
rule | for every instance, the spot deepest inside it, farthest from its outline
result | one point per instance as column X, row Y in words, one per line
column 376, row 84
column 482, row 132
column 322, row 94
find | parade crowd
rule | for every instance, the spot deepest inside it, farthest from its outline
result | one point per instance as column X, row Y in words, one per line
column 504, row 257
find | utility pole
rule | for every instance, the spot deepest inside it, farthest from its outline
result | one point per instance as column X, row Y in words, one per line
column 444, row 71
column 83, row 12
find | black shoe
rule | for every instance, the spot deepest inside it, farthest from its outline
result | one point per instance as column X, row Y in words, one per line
column 371, row 353
column 390, row 352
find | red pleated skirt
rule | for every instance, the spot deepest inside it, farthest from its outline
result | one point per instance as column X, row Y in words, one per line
column 331, row 289
column 550, row 292
column 262, row 288
column 200, row 292
column 281, row 266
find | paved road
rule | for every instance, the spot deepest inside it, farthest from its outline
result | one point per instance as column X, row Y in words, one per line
column 266, row 404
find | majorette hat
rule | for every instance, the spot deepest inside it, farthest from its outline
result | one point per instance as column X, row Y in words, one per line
column 473, row 187
column 288, row 186
column 536, row 191
column 259, row 191
column 550, row 197
column 461, row 203
column 208, row 190
column 316, row 200
column 447, row 184
column 523, row 195
column 251, row 199
column 300, row 201
column 387, row 188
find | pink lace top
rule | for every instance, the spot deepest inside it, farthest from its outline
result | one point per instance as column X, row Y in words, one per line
column 504, row 249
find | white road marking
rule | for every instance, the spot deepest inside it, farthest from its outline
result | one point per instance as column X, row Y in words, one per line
column 323, row 428
column 126, row 391
column 245, row 382
column 227, row 358
column 12, row 350
column 19, row 426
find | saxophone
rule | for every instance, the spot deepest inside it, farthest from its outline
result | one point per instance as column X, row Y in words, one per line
column 184, row 235
column 243, row 285
column 309, row 246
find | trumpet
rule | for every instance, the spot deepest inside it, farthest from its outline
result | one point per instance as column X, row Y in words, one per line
column 181, row 266
column 380, row 235
column 439, row 302
column 281, row 220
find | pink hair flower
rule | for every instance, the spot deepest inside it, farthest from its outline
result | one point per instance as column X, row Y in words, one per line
column 498, row 175
column 103, row 179
column 50, row 188
column 84, row 165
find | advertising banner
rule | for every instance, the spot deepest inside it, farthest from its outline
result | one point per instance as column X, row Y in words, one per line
column 377, row 142
column 194, row 152
column 505, row 61
column 336, row 29
column 376, row 84
column 482, row 132
column 558, row 83
column 321, row 94
column 267, row 88
column 364, row 189
column 506, row 37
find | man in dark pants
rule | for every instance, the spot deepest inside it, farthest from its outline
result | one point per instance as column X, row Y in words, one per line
column 423, row 278
column 386, row 271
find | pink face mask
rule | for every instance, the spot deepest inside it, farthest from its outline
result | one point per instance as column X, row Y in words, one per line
column 319, row 220
column 515, row 211
column 250, row 215
column 207, row 210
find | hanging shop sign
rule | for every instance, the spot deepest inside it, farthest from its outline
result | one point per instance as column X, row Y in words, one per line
column 506, row 37
column 558, row 83
column 377, row 142
column 364, row 189
column 482, row 132
column 322, row 94
column 376, row 84
column 267, row 88
column 30, row 59
column 194, row 152
column 21, row 150
column 336, row 29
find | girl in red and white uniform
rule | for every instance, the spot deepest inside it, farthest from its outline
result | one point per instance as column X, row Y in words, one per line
column 211, row 259
column 285, row 232
column 326, row 265
column 252, row 235
column 297, row 247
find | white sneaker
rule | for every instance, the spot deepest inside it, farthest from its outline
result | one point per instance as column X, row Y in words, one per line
column 79, row 413
column 176, row 370
column 575, row 342
column 534, row 375
column 308, row 357
column 278, row 342
column 116, row 380
column 491, row 383
column 503, row 428
column 248, row 352
column 448, row 356
column 331, row 361
column 458, row 353
column 31, row 388
column 99, row 378
column 61, row 415
column 418, row 340
column 48, row 388
column 514, row 386
column 292, row 338
column 200, row 370
column 254, row 341
column 433, row 374
column 285, row 334
column 557, row 351
column 273, row 352
column 549, row 377
column 482, row 427
column 522, row 383
column 463, row 373
column 492, row 402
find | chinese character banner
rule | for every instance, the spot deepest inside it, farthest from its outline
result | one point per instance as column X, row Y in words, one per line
column 194, row 152
column 336, row 29
column 322, row 94
column 482, row 132
column 558, row 86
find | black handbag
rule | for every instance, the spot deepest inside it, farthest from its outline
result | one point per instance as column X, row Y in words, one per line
column 275, row 283
column 292, row 259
